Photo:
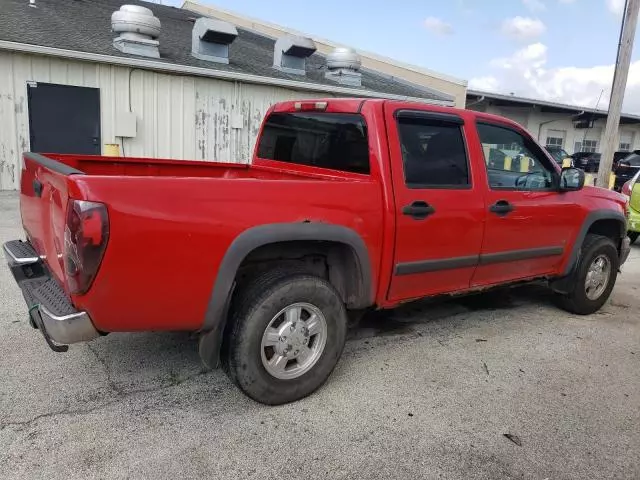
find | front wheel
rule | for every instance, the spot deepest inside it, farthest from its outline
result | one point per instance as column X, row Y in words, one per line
column 633, row 236
column 594, row 277
column 286, row 336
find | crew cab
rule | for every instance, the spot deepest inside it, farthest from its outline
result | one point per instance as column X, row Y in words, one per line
column 348, row 205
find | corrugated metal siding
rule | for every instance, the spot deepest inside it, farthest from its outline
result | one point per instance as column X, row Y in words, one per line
column 178, row 117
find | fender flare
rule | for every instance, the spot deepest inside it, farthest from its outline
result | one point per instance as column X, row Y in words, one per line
column 216, row 315
column 588, row 222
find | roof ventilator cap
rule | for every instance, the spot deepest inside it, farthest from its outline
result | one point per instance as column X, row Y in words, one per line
column 343, row 67
column 138, row 30
column 210, row 39
column 290, row 52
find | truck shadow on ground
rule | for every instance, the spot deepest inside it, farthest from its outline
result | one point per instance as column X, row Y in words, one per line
column 403, row 320
column 146, row 360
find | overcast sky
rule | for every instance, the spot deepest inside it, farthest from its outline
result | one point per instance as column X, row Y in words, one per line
column 561, row 50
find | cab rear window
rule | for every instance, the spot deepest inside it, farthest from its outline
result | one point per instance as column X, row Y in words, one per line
column 326, row 140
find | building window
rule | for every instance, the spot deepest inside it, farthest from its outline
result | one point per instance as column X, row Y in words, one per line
column 507, row 146
column 554, row 142
column 555, row 138
column 590, row 146
column 626, row 141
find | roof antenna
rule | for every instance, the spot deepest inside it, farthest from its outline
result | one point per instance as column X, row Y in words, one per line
column 32, row 3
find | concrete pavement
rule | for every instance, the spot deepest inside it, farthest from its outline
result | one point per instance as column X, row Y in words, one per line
column 425, row 392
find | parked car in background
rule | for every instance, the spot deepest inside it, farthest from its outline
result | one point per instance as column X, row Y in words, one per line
column 631, row 189
column 348, row 205
column 587, row 161
column 619, row 155
column 559, row 154
column 626, row 169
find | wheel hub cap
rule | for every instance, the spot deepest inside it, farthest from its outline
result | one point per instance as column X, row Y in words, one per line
column 293, row 341
column 292, row 338
column 597, row 277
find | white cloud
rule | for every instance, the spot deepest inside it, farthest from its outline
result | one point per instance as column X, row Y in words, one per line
column 526, row 74
column 567, row 1
column 438, row 26
column 531, row 56
column 534, row 5
column 616, row 6
column 523, row 28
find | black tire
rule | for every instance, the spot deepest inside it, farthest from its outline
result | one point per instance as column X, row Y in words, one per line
column 576, row 301
column 253, row 308
column 633, row 236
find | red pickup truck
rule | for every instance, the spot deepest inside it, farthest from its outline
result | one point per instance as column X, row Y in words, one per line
column 348, row 205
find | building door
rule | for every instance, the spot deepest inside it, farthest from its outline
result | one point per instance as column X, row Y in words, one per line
column 64, row 119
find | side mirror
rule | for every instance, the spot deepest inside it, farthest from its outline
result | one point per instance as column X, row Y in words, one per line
column 571, row 179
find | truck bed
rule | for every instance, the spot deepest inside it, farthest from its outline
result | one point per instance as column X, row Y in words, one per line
column 171, row 221
column 155, row 167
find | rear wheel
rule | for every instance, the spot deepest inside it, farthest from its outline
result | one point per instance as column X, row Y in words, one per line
column 594, row 277
column 633, row 236
column 286, row 336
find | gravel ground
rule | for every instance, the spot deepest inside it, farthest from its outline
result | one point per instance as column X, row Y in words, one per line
column 424, row 392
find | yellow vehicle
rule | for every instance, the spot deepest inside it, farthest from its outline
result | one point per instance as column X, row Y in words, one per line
column 632, row 190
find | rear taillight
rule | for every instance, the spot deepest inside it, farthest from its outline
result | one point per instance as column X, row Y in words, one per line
column 626, row 188
column 85, row 240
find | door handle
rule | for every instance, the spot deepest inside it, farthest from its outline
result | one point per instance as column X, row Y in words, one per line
column 501, row 208
column 418, row 210
column 37, row 187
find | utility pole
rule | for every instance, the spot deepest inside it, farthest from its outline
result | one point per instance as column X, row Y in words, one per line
column 621, row 72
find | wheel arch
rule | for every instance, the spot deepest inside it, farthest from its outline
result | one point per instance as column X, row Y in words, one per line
column 608, row 223
column 354, row 279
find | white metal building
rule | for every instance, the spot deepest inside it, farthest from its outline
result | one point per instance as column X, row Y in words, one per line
column 576, row 129
column 69, row 84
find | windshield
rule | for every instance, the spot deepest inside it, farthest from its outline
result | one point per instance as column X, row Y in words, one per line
column 632, row 160
column 557, row 153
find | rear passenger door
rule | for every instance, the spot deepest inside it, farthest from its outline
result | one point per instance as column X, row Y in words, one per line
column 439, row 212
column 529, row 222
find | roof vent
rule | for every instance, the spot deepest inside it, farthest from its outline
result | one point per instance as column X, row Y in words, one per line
column 138, row 30
column 210, row 39
column 343, row 66
column 290, row 52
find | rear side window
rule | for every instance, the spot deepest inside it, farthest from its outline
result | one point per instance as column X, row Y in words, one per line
column 433, row 152
column 327, row 140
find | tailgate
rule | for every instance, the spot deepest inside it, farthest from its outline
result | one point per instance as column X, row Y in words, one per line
column 43, row 205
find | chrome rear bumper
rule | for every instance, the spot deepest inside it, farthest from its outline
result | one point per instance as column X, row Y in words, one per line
column 50, row 309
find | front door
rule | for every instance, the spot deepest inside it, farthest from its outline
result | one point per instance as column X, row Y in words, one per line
column 64, row 119
column 529, row 223
column 439, row 211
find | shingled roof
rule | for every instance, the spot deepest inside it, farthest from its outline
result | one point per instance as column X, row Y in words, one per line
column 85, row 26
